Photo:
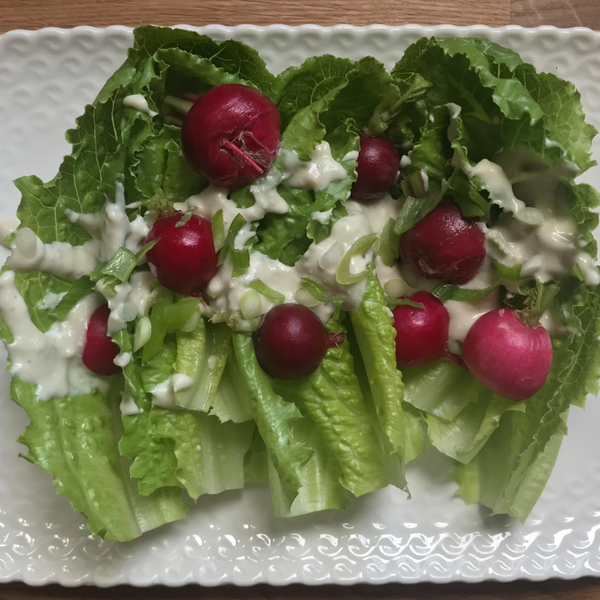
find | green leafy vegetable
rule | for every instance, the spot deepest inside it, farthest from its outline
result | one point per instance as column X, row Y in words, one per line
column 375, row 333
column 274, row 419
column 97, row 483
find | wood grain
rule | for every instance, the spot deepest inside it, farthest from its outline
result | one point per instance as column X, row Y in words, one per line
column 562, row 13
column 32, row 14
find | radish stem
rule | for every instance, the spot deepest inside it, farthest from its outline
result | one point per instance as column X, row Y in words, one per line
column 179, row 105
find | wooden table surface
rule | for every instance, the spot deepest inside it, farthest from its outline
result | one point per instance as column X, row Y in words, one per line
column 32, row 14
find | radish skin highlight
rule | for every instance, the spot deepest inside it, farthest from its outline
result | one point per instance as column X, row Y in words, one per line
column 509, row 357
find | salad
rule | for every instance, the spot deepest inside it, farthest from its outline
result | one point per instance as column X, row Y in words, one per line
column 305, row 280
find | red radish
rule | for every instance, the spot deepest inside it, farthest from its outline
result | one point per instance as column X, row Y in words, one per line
column 445, row 245
column 377, row 168
column 184, row 259
column 291, row 342
column 100, row 350
column 231, row 135
column 508, row 356
column 421, row 333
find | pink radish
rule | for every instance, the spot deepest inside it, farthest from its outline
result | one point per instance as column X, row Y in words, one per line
column 231, row 135
column 184, row 259
column 377, row 168
column 291, row 342
column 508, row 356
column 421, row 333
column 99, row 350
column 445, row 245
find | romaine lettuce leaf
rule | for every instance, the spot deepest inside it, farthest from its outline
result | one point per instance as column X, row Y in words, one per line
column 459, row 412
column 153, row 462
column 230, row 56
column 232, row 400
column 275, row 419
column 161, row 174
column 202, row 355
column 333, row 400
column 375, row 333
column 286, row 237
column 75, row 440
column 320, row 478
column 210, row 454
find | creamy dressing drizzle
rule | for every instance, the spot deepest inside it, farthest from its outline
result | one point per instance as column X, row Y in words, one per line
column 58, row 258
column 128, row 407
column 139, row 103
column 122, row 359
column 318, row 173
column 320, row 262
column 112, row 226
column 163, row 394
column 212, row 199
column 51, row 360
column 539, row 237
column 51, row 300
column 129, row 299
column 377, row 213
column 322, row 217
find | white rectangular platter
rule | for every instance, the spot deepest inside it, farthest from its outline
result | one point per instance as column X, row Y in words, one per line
column 46, row 78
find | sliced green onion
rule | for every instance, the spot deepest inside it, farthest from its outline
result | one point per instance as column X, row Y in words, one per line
column 237, row 322
column 218, row 230
column 143, row 251
column 119, row 266
column 405, row 302
column 192, row 323
column 529, row 216
column 414, row 186
column 416, row 209
column 447, row 291
column 239, row 258
column 179, row 313
column 107, row 286
column 143, row 331
column 241, row 262
column 250, row 304
column 317, row 290
column 512, row 273
column 304, row 297
column 268, row 292
column 187, row 215
column 388, row 244
column 122, row 264
column 159, row 329
column 343, row 274
column 77, row 291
